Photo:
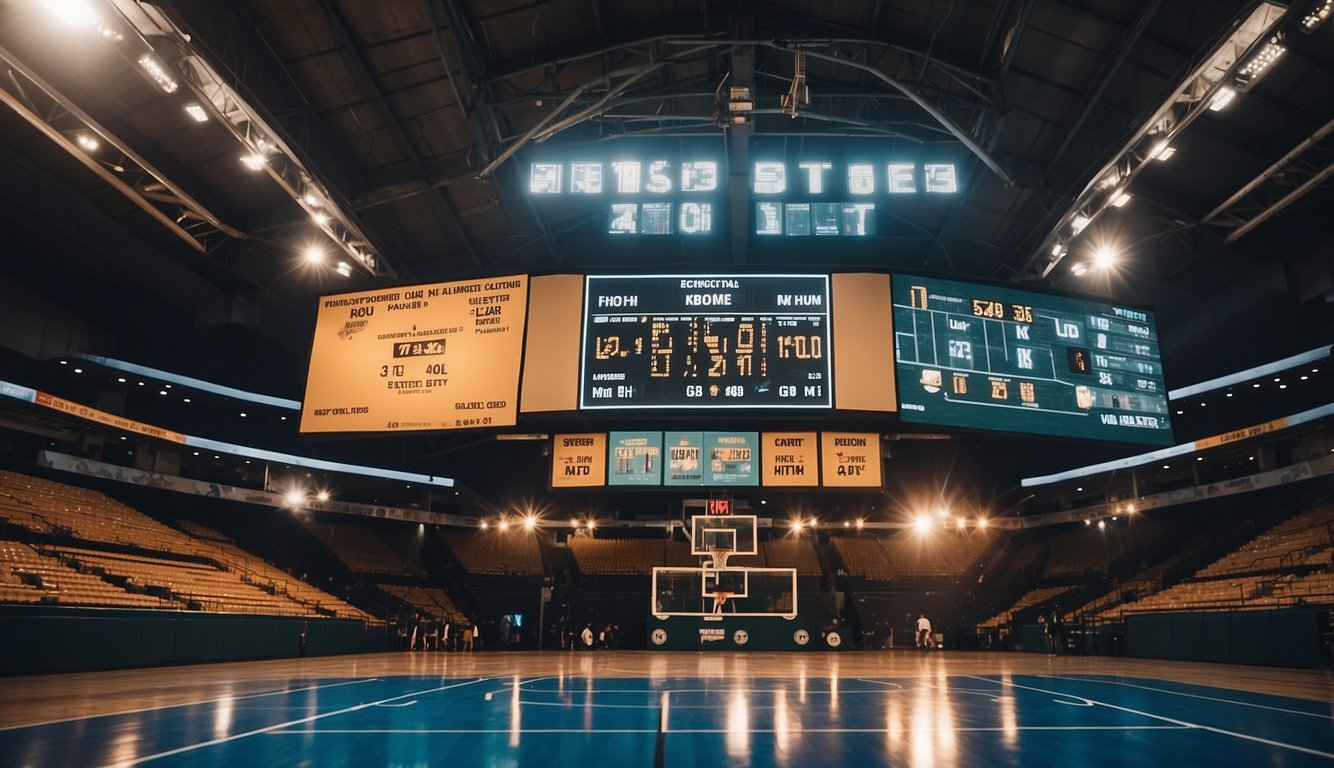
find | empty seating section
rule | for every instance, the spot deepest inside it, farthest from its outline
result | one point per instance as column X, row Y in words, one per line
column 1300, row 540
column 45, row 506
column 864, row 557
column 39, row 578
column 938, row 555
column 790, row 553
column 1250, row 577
column 1027, row 600
column 496, row 554
column 1079, row 551
column 432, row 601
column 909, row 556
column 232, row 580
column 362, row 550
column 618, row 557
column 200, row 531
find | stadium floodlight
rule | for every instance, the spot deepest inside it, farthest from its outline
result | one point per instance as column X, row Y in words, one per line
column 1120, row 200
column 197, row 113
column 504, row 524
column 1318, row 15
column 1251, row 40
column 1163, row 150
column 314, row 255
column 157, row 72
column 1260, row 62
column 982, row 522
column 529, row 522
column 1221, row 99
column 922, row 524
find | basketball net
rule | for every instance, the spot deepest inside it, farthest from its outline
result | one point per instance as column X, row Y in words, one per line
column 719, row 557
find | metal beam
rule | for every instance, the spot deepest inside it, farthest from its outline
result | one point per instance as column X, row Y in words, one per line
column 1094, row 96
column 927, row 107
column 362, row 68
column 156, row 187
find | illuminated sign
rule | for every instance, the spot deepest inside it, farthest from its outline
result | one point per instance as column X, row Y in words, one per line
column 684, row 196
column 997, row 358
column 859, row 179
column 438, row 356
column 706, row 341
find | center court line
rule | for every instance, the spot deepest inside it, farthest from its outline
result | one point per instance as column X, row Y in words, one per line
column 1164, row 718
column 187, row 704
column 289, row 723
column 1194, row 695
column 676, row 731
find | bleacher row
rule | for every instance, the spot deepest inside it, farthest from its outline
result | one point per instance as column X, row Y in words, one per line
column 88, row 549
column 629, row 557
column 1260, row 574
column 96, row 569
column 908, row 555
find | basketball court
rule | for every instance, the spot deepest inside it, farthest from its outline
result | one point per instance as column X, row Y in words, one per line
column 666, row 708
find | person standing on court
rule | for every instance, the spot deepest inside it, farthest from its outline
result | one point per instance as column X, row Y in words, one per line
column 923, row 632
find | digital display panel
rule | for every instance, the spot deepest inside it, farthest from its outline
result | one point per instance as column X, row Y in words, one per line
column 436, row 356
column 705, row 341
column 995, row 358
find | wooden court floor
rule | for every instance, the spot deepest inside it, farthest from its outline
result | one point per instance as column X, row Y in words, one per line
column 674, row 708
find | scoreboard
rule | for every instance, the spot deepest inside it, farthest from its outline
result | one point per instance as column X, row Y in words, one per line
column 706, row 341
column 985, row 357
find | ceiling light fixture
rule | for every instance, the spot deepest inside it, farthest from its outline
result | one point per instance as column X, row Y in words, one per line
column 158, row 73
column 197, row 112
column 1260, row 62
column 1319, row 14
column 1221, row 99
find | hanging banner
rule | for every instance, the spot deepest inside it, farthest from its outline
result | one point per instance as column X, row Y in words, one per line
column 685, row 458
column 579, row 461
column 635, row 458
column 850, row 459
column 733, row 458
column 791, row 459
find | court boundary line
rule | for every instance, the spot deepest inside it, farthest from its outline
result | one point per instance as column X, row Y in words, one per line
column 1165, row 718
column 186, row 704
column 1195, row 695
column 312, row 718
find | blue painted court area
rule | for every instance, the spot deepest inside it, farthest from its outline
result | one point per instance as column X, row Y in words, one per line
column 576, row 721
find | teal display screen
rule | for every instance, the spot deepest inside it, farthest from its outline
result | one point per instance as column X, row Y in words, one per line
column 984, row 357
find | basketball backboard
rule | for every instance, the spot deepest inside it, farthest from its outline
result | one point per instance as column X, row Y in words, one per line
column 745, row 592
column 735, row 533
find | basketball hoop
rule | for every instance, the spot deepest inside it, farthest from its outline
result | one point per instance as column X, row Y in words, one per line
column 720, row 598
column 719, row 556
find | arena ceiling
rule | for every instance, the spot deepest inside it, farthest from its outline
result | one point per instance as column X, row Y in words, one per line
column 397, row 136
